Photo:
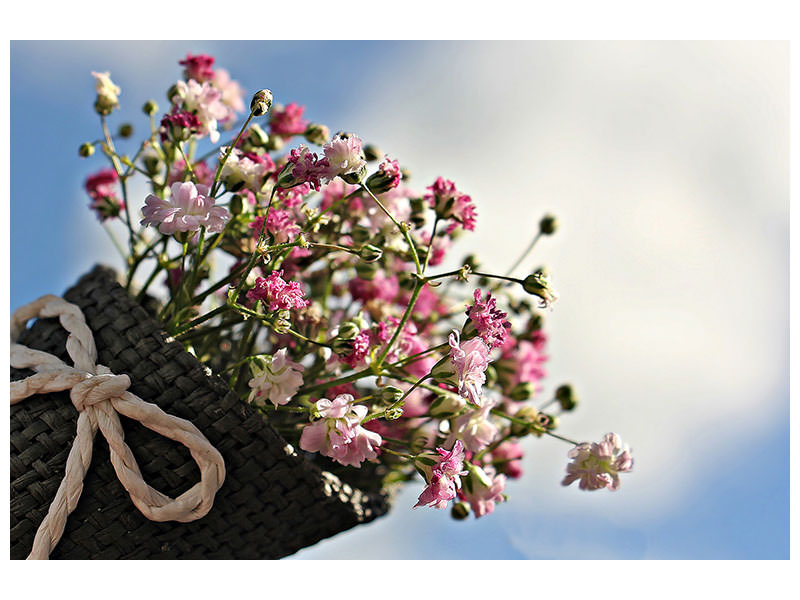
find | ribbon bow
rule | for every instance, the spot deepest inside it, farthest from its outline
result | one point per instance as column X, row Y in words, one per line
column 100, row 397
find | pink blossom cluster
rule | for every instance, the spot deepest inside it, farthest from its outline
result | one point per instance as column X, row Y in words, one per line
column 449, row 203
column 490, row 322
column 105, row 202
column 483, row 488
column 199, row 67
column 339, row 434
column 597, row 465
column 277, row 293
column 470, row 360
column 308, row 167
column 445, row 478
column 288, row 120
column 179, row 125
column 280, row 223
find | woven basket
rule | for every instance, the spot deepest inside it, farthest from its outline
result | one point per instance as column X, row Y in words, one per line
column 274, row 501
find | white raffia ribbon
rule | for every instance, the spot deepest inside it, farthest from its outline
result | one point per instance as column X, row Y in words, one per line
column 100, row 398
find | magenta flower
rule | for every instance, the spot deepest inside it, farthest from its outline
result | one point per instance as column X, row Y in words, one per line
column 180, row 125
column 205, row 102
column 444, row 478
column 597, row 465
column 361, row 345
column 483, row 488
column 380, row 287
column 490, row 322
column 280, row 223
column 308, row 167
column 470, row 360
column 188, row 209
column 276, row 293
column 199, row 67
column 339, row 434
column 449, row 203
column 288, row 121
column 101, row 187
column 510, row 453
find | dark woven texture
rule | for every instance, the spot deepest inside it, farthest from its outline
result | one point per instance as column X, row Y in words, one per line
column 273, row 502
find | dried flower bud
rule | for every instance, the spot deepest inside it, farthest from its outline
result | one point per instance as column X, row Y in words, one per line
column 317, row 133
column 86, row 149
column 356, row 177
column 524, row 390
column 566, row 397
column 394, row 412
column 125, row 130
column 150, row 108
column 528, row 414
column 548, row 225
column 236, row 205
column 372, row 153
column 261, row 103
column 370, row 253
column 460, row 511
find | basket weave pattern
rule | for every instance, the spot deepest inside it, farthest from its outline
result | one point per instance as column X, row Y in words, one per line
column 273, row 502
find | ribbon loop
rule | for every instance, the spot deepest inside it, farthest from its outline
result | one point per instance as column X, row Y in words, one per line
column 99, row 395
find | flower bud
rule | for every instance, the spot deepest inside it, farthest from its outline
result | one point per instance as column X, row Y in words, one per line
column 261, row 103
column 172, row 92
column 370, row 253
column 236, row 205
column 275, row 142
column 372, row 153
column 460, row 511
column 389, row 394
column 286, row 179
column 282, row 324
column 394, row 412
column 524, row 390
column 548, row 225
column 405, row 173
column 257, row 136
column 342, row 347
column 348, row 330
column 150, row 108
column 418, row 209
column 491, row 375
column 125, row 130
column 86, row 149
column 317, row 133
column 446, row 406
column 366, row 270
column 538, row 284
column 443, row 372
column 356, row 177
column 566, row 397
column 380, row 182
column 360, row 234
column 528, row 414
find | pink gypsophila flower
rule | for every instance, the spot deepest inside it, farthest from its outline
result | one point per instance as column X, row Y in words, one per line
column 444, row 479
column 339, row 434
column 231, row 92
column 482, row 489
column 449, row 203
column 360, row 350
column 202, row 174
column 205, row 102
column 244, row 169
column 475, row 428
column 188, row 208
column 470, row 360
column 277, row 293
column 280, row 223
column 199, row 67
column 288, row 121
column 101, row 187
column 278, row 380
column 344, row 155
column 308, row 167
column 510, row 453
column 490, row 322
column 597, row 465
column 181, row 124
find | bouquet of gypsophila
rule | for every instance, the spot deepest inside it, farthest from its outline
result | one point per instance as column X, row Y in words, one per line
column 305, row 278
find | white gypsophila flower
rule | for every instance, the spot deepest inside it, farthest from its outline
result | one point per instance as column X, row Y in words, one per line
column 107, row 91
column 205, row 101
column 278, row 381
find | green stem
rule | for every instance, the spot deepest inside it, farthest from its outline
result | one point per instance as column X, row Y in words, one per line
column 525, row 253
column 402, row 227
column 532, row 426
column 406, row 315
column 227, row 155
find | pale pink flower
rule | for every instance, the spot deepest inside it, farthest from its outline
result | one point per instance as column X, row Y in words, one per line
column 276, row 293
column 202, row 174
column 244, row 169
column 231, row 92
column 482, row 489
column 597, row 465
column 475, row 428
column 380, row 287
column 188, row 209
column 511, row 453
column 204, row 101
column 444, row 478
column 107, row 91
column 490, row 322
column 344, row 155
column 280, row 223
column 339, row 434
column 441, row 244
column 288, row 120
column 277, row 379
column 470, row 360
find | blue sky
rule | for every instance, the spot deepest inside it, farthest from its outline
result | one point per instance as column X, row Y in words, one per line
column 668, row 165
